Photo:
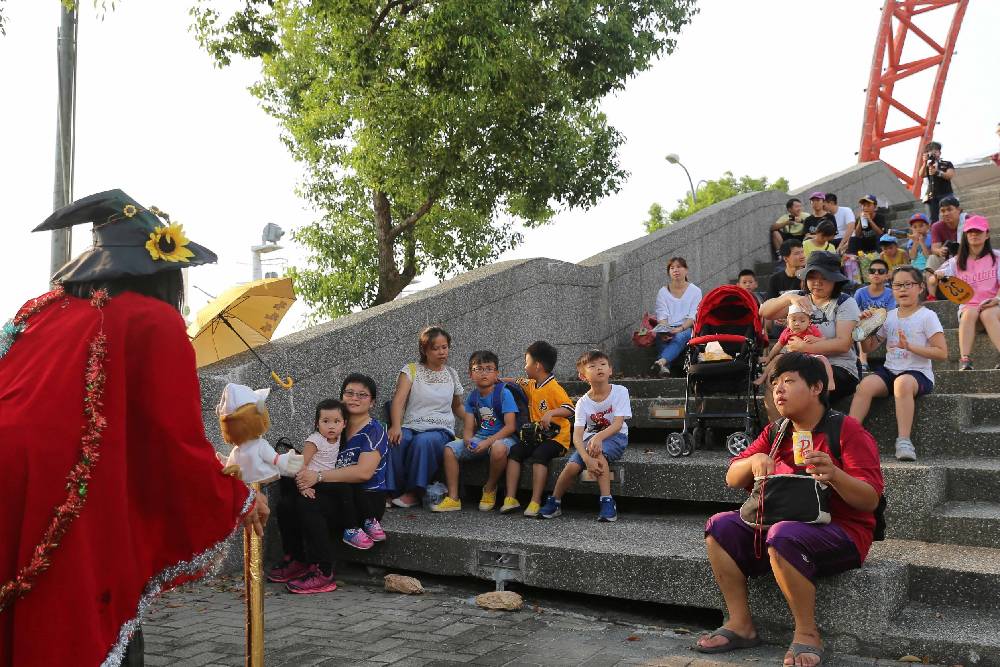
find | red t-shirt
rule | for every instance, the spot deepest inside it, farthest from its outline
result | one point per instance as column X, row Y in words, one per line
column 942, row 233
column 859, row 459
column 787, row 333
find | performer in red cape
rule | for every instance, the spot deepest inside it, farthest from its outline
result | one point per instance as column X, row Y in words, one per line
column 112, row 494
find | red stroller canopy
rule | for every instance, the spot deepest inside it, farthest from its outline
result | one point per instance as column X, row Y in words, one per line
column 731, row 307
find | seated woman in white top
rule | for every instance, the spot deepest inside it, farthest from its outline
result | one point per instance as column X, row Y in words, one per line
column 428, row 398
column 676, row 307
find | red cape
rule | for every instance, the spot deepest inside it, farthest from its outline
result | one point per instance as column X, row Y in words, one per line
column 157, row 508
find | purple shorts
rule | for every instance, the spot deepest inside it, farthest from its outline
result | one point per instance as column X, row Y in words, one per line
column 814, row 550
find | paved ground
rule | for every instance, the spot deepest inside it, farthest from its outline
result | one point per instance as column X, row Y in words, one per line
column 360, row 624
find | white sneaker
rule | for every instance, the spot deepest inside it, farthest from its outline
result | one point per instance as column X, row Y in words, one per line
column 905, row 450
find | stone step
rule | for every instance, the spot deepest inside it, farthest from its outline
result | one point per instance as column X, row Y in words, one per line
column 647, row 471
column 876, row 610
column 641, row 557
column 974, row 523
column 946, row 635
column 945, row 382
column 972, row 478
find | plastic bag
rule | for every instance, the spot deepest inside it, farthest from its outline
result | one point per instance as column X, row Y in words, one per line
column 645, row 336
column 434, row 494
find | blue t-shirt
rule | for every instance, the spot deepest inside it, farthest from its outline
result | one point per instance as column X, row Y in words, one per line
column 920, row 261
column 866, row 300
column 371, row 438
column 489, row 423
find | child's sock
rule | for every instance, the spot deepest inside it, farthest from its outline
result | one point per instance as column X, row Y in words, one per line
column 605, row 498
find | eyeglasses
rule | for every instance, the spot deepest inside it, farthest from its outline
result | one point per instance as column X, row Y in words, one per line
column 901, row 286
column 483, row 369
column 878, row 271
column 360, row 395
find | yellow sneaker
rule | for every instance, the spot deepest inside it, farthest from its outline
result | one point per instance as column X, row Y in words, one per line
column 532, row 509
column 509, row 505
column 447, row 505
column 488, row 501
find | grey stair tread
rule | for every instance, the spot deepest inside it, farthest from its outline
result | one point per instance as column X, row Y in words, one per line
column 956, row 558
column 945, row 634
column 982, row 510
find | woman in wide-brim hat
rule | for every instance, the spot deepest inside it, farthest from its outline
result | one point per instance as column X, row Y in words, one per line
column 834, row 313
column 112, row 492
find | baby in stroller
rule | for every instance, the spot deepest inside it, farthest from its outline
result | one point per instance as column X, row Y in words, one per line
column 798, row 326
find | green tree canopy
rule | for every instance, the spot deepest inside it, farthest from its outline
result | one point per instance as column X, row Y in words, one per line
column 428, row 129
column 711, row 192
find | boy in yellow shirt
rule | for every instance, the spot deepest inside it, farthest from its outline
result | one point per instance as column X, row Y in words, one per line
column 548, row 404
column 821, row 239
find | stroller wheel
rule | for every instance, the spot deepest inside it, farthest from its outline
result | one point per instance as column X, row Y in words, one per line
column 737, row 442
column 689, row 446
column 676, row 444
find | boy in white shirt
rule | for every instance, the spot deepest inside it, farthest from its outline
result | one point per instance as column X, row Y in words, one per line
column 600, row 435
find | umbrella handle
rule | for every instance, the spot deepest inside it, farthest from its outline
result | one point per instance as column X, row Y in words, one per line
column 284, row 384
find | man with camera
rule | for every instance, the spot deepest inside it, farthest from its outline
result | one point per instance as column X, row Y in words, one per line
column 946, row 233
column 938, row 173
column 788, row 226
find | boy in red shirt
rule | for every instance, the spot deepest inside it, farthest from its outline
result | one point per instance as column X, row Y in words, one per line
column 797, row 553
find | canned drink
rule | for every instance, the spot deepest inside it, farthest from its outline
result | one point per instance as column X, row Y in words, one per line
column 802, row 442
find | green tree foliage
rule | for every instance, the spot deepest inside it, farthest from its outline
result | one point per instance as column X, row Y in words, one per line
column 429, row 128
column 711, row 192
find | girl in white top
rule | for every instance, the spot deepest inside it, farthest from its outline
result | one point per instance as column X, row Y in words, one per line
column 427, row 401
column 914, row 337
column 322, row 447
column 676, row 308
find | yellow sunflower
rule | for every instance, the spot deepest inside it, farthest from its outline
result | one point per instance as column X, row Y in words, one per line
column 169, row 244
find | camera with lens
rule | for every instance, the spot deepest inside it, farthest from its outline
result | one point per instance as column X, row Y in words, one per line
column 534, row 433
column 952, row 248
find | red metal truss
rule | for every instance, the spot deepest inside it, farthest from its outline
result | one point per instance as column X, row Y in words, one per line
column 898, row 22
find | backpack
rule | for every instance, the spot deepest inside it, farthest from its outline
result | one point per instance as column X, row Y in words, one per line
column 520, row 400
column 830, row 426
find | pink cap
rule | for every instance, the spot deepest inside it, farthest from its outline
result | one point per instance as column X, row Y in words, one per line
column 976, row 223
column 818, row 195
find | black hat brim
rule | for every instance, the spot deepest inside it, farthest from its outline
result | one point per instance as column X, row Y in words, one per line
column 101, row 263
column 832, row 276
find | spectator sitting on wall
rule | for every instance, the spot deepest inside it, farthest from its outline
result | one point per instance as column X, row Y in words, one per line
column 821, row 239
column 787, row 279
column 845, row 222
column 788, row 226
column 796, row 553
column 819, row 215
column 870, row 226
column 946, row 230
column 938, row 173
column 676, row 307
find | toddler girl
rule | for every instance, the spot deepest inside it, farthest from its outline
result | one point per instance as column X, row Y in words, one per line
column 322, row 447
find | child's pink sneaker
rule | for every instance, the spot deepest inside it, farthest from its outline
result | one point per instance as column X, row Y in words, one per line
column 374, row 530
column 287, row 570
column 314, row 581
column 357, row 538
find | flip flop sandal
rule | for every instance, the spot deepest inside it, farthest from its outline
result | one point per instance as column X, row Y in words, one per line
column 799, row 649
column 735, row 642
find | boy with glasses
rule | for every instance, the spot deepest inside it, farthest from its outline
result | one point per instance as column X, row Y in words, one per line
column 490, row 428
column 874, row 295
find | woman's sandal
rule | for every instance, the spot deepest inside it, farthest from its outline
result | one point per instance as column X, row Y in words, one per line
column 735, row 642
column 798, row 649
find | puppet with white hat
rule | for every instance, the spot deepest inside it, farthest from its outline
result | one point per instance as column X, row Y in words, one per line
column 244, row 419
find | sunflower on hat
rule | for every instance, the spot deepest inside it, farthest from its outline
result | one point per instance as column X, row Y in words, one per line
column 169, row 243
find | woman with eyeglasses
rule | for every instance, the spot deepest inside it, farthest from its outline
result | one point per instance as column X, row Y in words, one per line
column 913, row 337
column 351, row 495
column 976, row 264
column 834, row 313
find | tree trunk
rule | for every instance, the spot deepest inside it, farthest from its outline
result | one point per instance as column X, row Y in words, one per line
column 390, row 281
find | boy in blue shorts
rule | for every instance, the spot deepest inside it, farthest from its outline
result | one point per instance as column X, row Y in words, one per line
column 485, row 432
column 600, row 435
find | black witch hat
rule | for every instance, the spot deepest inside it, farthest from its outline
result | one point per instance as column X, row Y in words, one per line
column 129, row 240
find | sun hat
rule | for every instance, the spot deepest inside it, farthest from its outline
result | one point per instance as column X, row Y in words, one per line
column 827, row 263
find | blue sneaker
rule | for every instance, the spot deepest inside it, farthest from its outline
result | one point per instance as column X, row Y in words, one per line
column 609, row 511
column 551, row 509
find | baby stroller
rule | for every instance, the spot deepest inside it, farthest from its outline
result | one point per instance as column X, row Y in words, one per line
column 728, row 316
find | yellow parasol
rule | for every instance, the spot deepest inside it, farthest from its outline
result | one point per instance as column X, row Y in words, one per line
column 241, row 318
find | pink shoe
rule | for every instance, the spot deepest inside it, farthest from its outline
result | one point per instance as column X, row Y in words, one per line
column 358, row 539
column 287, row 570
column 314, row 581
column 374, row 530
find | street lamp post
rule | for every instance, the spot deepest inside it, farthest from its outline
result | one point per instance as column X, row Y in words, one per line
column 673, row 158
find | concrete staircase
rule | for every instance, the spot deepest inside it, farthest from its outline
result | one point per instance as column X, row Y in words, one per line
column 929, row 590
